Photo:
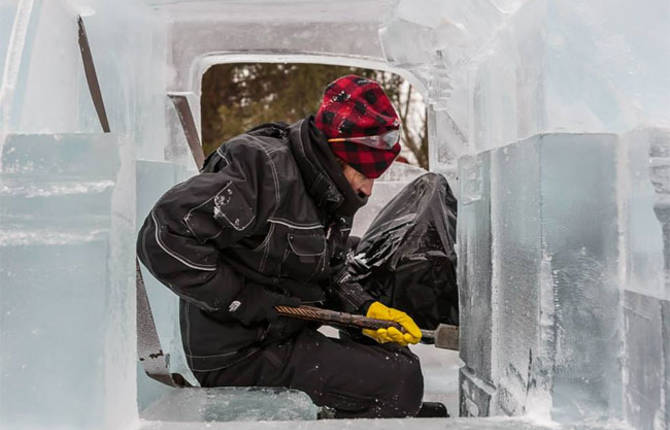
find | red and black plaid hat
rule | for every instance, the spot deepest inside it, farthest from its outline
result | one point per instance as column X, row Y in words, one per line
column 353, row 108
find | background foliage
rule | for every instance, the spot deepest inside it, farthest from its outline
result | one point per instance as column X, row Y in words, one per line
column 237, row 97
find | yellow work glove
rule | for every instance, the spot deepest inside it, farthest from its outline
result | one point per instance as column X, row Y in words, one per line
column 383, row 335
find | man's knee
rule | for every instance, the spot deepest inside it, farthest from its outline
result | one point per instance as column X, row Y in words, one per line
column 407, row 391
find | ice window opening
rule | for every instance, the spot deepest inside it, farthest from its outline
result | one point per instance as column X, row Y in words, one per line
column 239, row 96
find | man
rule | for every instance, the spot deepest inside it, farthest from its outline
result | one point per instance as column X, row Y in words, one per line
column 266, row 223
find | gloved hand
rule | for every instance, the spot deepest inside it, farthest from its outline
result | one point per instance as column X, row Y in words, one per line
column 383, row 335
column 254, row 303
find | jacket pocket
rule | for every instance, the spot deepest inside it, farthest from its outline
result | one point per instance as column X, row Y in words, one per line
column 307, row 245
column 228, row 208
column 305, row 255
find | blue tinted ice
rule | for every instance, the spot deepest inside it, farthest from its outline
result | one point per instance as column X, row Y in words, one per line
column 574, row 295
column 564, row 239
column 59, row 296
column 232, row 404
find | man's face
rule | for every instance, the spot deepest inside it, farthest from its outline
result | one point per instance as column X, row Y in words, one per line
column 361, row 184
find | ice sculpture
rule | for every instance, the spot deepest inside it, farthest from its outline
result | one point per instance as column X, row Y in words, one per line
column 552, row 285
column 556, row 113
column 564, row 281
column 565, row 307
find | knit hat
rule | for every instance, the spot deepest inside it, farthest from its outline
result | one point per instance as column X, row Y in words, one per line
column 360, row 124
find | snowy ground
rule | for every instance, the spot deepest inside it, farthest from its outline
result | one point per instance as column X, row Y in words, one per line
column 440, row 375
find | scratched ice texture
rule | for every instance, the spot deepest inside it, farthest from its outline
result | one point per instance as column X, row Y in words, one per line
column 549, row 119
column 67, row 217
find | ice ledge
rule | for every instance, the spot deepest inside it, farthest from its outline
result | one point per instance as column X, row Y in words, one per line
column 497, row 423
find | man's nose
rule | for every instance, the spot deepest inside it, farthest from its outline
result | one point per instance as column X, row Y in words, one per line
column 366, row 187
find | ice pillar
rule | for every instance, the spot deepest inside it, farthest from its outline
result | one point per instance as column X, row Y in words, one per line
column 564, row 307
column 542, row 233
column 66, row 247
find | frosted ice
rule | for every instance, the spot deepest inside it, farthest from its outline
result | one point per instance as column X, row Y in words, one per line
column 542, row 220
column 232, row 404
column 496, row 423
column 564, row 232
column 54, row 248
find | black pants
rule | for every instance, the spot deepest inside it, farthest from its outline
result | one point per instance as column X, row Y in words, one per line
column 354, row 378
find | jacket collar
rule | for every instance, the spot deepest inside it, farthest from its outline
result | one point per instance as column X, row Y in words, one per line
column 320, row 186
column 320, row 170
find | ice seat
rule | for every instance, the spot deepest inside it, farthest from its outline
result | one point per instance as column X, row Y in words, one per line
column 60, row 180
column 206, row 405
column 75, row 154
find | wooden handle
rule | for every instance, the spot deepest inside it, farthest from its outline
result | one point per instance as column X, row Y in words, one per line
column 312, row 313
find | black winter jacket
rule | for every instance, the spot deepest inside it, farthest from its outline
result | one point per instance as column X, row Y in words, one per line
column 264, row 209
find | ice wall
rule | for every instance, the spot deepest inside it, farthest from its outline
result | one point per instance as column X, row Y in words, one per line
column 563, row 213
column 647, row 293
column 67, row 216
column 551, row 288
column 500, row 71
column 493, row 72
column 563, row 297
column 55, row 247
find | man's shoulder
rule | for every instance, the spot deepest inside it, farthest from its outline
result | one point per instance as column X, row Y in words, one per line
column 268, row 142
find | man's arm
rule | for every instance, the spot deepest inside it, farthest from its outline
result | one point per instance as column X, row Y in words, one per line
column 183, row 235
column 354, row 298
column 349, row 293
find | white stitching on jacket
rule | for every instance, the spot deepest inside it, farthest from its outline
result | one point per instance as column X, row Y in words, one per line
column 295, row 226
column 234, row 225
column 272, row 167
column 266, row 251
column 218, row 151
column 292, row 245
column 183, row 260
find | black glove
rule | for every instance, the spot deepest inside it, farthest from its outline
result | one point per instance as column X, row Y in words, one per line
column 254, row 303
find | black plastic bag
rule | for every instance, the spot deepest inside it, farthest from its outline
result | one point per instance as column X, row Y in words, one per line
column 406, row 259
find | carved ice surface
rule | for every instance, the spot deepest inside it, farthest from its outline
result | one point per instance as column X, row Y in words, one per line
column 557, row 111
column 232, row 404
column 569, row 337
column 55, row 247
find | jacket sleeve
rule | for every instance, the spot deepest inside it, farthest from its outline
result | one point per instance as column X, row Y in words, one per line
column 345, row 288
column 185, row 234
column 352, row 297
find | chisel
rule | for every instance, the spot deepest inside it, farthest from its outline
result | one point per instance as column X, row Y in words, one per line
column 444, row 336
